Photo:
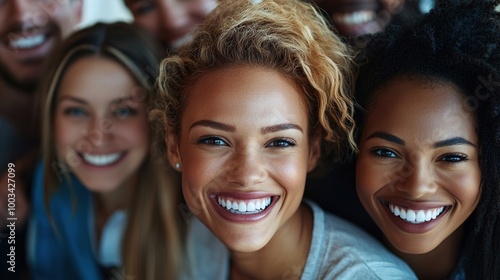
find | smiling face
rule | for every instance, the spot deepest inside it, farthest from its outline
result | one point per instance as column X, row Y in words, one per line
column 418, row 172
column 170, row 20
column 360, row 17
column 101, row 128
column 244, row 152
column 29, row 30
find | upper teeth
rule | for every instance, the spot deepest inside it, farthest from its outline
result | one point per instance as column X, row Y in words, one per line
column 101, row 160
column 244, row 206
column 354, row 17
column 415, row 216
column 22, row 42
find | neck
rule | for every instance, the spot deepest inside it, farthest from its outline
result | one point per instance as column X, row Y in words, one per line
column 108, row 203
column 438, row 263
column 17, row 107
column 283, row 257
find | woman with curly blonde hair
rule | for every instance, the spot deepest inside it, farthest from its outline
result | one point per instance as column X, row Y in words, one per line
column 248, row 106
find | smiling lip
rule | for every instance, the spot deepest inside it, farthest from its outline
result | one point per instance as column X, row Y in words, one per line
column 243, row 207
column 30, row 45
column 416, row 218
column 102, row 160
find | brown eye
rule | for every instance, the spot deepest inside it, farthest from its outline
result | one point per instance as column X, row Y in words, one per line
column 212, row 141
column 281, row 143
column 454, row 158
column 384, row 153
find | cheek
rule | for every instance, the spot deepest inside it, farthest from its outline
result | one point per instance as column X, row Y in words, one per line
column 369, row 178
column 466, row 188
column 66, row 133
column 290, row 172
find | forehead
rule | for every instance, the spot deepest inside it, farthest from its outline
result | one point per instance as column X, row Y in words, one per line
column 258, row 92
column 97, row 79
column 420, row 110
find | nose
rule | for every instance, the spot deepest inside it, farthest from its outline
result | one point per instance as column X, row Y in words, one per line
column 174, row 15
column 97, row 133
column 246, row 169
column 417, row 180
column 23, row 12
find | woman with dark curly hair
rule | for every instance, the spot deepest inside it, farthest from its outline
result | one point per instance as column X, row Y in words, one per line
column 429, row 140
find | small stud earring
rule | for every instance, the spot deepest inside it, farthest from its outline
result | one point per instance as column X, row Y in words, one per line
column 177, row 165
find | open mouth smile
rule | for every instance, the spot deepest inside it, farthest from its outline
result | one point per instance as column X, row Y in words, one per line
column 353, row 18
column 416, row 216
column 244, row 207
column 102, row 160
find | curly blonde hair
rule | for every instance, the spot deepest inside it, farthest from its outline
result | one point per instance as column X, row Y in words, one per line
column 288, row 36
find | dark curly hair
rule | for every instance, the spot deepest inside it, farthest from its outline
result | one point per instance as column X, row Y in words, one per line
column 457, row 42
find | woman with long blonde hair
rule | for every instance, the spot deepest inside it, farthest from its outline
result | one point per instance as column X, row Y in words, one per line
column 105, row 204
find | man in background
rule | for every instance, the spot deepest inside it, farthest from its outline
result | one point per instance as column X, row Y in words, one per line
column 170, row 21
column 29, row 31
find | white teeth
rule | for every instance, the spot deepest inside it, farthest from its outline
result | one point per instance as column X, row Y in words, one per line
column 244, row 207
column 415, row 216
column 101, row 160
column 21, row 42
column 251, row 206
column 358, row 17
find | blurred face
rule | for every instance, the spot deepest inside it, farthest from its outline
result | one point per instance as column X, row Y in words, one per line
column 418, row 172
column 244, row 152
column 170, row 20
column 29, row 29
column 360, row 17
column 101, row 127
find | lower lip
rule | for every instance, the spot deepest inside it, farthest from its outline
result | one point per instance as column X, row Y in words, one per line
column 242, row 218
column 103, row 167
column 414, row 228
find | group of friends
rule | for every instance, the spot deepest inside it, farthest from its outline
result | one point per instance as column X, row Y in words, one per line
column 245, row 139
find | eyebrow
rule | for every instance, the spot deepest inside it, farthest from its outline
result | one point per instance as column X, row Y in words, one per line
column 121, row 100
column 82, row 101
column 453, row 141
column 443, row 143
column 388, row 137
column 71, row 98
column 214, row 125
column 280, row 127
column 230, row 128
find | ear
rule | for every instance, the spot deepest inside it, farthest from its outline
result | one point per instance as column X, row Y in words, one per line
column 173, row 154
column 314, row 151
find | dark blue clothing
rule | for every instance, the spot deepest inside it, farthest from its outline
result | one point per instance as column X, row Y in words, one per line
column 64, row 251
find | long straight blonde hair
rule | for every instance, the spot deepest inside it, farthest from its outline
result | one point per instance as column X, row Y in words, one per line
column 152, row 239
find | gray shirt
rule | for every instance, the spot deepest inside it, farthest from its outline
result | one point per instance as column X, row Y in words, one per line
column 339, row 250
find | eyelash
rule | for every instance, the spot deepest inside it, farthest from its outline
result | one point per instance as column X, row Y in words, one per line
column 280, row 143
column 211, row 141
column 383, row 153
column 457, row 158
column 453, row 158
column 124, row 112
column 75, row 112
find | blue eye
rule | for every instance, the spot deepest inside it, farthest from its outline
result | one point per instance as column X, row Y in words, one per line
column 212, row 141
column 124, row 112
column 281, row 143
column 384, row 153
column 454, row 158
column 75, row 112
